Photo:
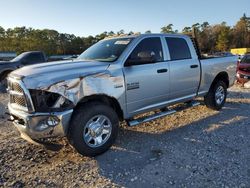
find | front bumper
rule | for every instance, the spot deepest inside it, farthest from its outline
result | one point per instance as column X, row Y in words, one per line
column 40, row 125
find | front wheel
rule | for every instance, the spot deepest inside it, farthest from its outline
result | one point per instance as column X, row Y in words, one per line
column 93, row 129
column 216, row 97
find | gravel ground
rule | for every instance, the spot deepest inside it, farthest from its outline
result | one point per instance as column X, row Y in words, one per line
column 197, row 147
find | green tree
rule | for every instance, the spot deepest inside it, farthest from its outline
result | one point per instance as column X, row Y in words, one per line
column 223, row 38
column 210, row 38
column 111, row 33
column 131, row 33
column 206, row 39
column 187, row 30
column 2, row 38
column 101, row 36
column 204, row 26
column 241, row 33
column 196, row 26
column 121, row 32
column 167, row 29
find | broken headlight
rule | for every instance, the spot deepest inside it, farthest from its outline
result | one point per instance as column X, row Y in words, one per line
column 45, row 101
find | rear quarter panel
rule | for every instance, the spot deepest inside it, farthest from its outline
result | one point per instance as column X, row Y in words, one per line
column 212, row 67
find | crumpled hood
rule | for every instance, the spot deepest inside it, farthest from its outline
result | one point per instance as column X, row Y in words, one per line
column 46, row 74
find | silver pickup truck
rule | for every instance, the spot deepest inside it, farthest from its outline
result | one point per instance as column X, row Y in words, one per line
column 115, row 80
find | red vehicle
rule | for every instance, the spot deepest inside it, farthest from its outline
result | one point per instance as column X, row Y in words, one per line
column 243, row 69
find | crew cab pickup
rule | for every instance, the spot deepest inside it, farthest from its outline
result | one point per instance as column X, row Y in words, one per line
column 26, row 58
column 115, row 80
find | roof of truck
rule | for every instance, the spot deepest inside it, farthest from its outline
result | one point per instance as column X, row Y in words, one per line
column 146, row 34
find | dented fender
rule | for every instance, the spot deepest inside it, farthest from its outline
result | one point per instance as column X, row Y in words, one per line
column 78, row 88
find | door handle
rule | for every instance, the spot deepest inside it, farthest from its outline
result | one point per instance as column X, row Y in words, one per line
column 193, row 66
column 162, row 70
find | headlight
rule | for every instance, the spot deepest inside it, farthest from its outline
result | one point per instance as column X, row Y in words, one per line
column 45, row 101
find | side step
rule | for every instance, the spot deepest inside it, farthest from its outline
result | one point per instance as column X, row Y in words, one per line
column 138, row 121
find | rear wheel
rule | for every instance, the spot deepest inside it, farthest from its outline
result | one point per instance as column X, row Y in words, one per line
column 93, row 129
column 216, row 97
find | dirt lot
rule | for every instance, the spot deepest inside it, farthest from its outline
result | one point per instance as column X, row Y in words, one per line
column 194, row 148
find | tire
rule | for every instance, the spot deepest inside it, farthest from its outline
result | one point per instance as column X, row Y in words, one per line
column 216, row 96
column 92, row 124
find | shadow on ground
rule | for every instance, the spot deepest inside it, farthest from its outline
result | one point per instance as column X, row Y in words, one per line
column 209, row 152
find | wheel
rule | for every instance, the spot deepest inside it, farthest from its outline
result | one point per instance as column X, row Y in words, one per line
column 93, row 128
column 216, row 96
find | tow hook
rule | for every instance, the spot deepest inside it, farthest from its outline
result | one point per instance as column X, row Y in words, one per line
column 11, row 118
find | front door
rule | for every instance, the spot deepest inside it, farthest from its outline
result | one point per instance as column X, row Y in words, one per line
column 146, row 76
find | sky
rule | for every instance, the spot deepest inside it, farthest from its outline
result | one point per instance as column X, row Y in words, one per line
column 91, row 17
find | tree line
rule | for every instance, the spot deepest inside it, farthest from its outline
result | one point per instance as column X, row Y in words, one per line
column 218, row 37
column 211, row 38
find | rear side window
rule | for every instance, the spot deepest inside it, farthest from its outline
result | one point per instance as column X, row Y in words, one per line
column 178, row 48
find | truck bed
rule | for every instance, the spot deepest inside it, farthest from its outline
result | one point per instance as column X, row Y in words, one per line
column 214, row 65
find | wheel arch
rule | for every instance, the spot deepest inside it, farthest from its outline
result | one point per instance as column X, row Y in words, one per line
column 223, row 76
column 4, row 73
column 108, row 100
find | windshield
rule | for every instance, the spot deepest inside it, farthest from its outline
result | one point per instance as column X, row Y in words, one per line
column 246, row 59
column 106, row 50
column 17, row 58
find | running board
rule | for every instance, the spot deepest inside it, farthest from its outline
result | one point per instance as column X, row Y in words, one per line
column 138, row 121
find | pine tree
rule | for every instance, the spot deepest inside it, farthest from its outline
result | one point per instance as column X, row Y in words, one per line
column 223, row 38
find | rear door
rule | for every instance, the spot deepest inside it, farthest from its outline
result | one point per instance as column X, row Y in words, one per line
column 184, row 69
column 147, row 81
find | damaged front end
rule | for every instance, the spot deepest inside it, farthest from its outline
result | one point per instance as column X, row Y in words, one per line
column 38, row 114
column 45, row 101
column 45, row 110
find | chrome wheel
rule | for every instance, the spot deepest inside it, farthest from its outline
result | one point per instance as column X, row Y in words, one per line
column 219, row 95
column 97, row 131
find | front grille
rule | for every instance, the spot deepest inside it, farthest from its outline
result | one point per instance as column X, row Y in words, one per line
column 16, row 87
column 17, row 96
column 19, row 100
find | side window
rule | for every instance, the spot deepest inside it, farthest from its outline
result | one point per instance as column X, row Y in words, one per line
column 148, row 51
column 178, row 48
column 32, row 58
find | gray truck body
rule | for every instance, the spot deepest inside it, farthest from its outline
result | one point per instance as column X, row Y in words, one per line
column 132, row 90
